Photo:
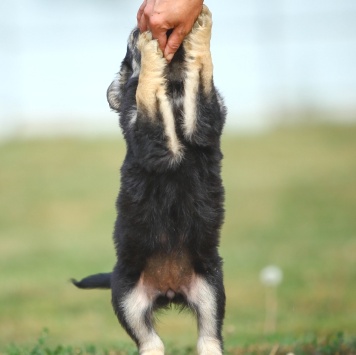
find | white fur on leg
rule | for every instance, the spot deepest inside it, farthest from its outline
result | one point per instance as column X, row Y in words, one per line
column 135, row 306
column 208, row 346
column 202, row 297
column 153, row 347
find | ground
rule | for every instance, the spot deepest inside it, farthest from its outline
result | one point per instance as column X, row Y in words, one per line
column 290, row 201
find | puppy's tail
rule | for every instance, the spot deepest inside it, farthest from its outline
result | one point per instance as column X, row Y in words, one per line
column 102, row 281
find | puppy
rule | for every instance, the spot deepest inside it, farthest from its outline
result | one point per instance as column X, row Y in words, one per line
column 170, row 205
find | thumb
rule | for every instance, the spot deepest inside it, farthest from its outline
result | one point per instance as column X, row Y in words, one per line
column 174, row 41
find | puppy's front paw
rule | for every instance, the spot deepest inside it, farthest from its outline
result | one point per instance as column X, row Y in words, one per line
column 147, row 45
column 204, row 20
column 198, row 40
column 151, row 78
column 143, row 39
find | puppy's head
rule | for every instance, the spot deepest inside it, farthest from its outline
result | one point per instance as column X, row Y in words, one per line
column 130, row 68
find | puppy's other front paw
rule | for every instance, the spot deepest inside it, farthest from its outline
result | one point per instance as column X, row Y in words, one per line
column 198, row 40
column 147, row 45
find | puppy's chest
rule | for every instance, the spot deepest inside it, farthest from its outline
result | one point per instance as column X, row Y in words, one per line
column 175, row 94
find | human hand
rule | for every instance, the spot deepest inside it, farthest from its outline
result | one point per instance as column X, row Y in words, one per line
column 159, row 16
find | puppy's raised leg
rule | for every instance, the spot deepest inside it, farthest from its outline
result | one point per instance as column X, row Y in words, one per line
column 134, row 310
column 208, row 301
column 151, row 96
column 199, row 68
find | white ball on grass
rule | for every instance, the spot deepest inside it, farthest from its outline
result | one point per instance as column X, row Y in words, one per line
column 271, row 275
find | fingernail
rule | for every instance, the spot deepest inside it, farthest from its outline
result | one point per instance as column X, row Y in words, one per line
column 169, row 57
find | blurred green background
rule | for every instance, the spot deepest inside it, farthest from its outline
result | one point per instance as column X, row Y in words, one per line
column 290, row 201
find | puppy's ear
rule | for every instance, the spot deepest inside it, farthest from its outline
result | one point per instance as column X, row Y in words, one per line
column 130, row 67
column 114, row 94
column 116, row 90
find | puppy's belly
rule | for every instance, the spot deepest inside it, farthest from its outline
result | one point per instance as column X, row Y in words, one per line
column 168, row 274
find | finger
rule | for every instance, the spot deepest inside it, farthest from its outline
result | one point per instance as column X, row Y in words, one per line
column 142, row 24
column 158, row 32
column 158, row 27
column 174, row 41
column 145, row 11
column 140, row 12
column 142, row 18
column 162, row 39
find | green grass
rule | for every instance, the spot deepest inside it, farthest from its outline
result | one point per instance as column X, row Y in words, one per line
column 308, row 345
column 290, row 201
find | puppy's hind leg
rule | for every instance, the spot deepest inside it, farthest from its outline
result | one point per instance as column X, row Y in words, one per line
column 207, row 299
column 133, row 307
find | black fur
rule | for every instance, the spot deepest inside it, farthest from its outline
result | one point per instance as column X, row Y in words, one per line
column 166, row 205
column 102, row 280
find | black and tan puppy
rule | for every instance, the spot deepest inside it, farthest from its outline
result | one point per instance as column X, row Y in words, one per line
column 170, row 206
